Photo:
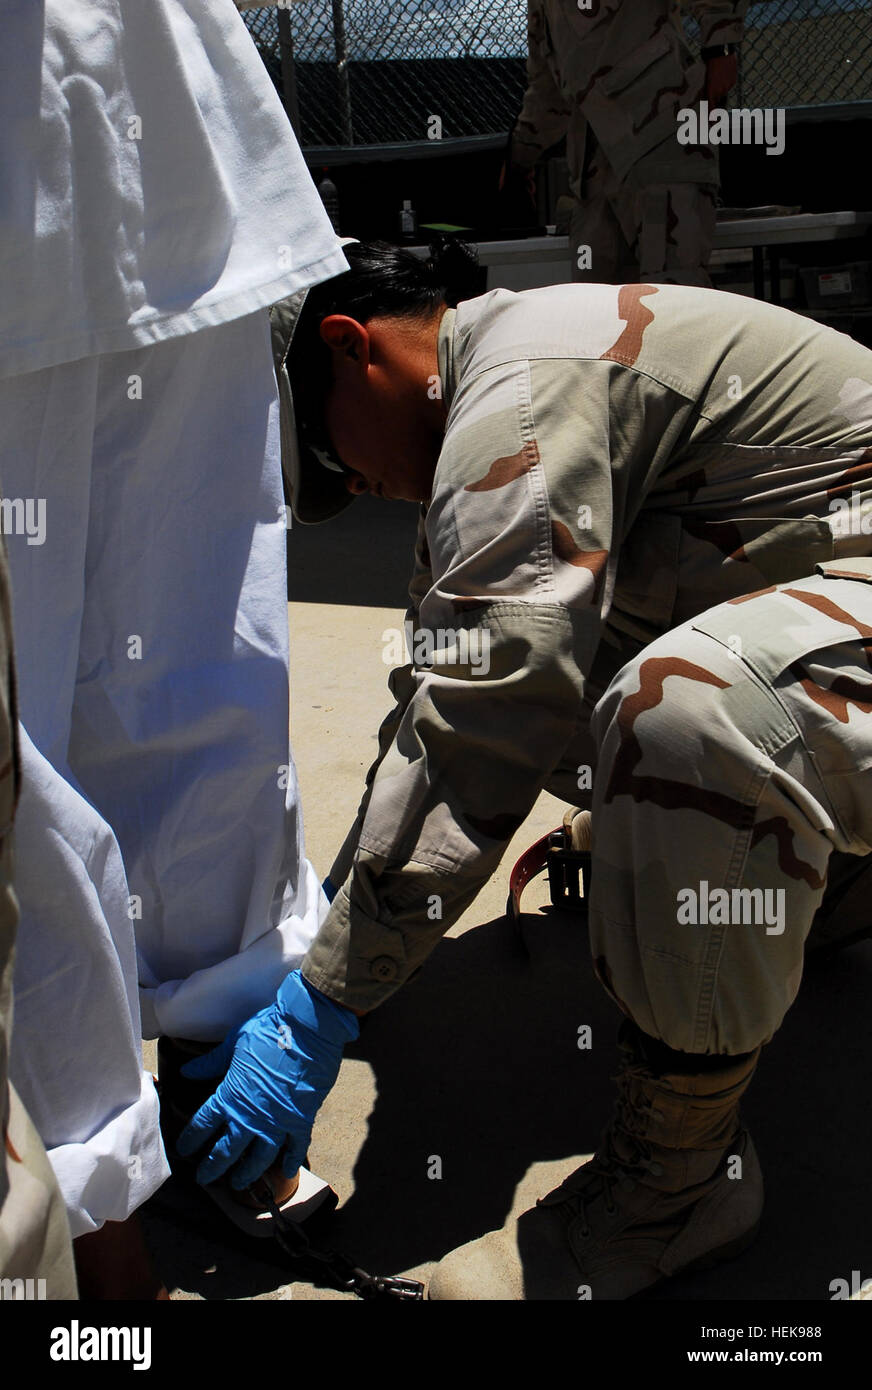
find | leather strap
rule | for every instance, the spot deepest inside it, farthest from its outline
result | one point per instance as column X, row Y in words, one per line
column 531, row 862
column 565, row 852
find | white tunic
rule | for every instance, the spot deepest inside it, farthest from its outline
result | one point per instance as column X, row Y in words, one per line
column 150, row 187
column 147, row 171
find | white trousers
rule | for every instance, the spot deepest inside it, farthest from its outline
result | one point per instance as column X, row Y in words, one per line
column 159, row 839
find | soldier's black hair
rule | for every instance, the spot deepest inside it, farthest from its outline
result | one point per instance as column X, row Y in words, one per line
column 383, row 281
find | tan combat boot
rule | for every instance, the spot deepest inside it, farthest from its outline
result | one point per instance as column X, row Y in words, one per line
column 675, row 1184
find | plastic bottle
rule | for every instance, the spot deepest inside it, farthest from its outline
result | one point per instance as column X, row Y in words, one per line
column 408, row 221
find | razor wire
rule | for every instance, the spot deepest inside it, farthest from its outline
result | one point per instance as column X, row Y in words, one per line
column 374, row 72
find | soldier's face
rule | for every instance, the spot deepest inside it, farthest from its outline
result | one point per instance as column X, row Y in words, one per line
column 382, row 422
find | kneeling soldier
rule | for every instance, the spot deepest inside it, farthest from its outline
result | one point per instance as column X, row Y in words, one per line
column 648, row 501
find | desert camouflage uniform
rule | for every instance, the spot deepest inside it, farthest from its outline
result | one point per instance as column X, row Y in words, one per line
column 612, row 77
column 735, row 754
column 34, row 1233
column 616, row 461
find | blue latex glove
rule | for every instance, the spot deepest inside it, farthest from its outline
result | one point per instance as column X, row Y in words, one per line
column 282, row 1063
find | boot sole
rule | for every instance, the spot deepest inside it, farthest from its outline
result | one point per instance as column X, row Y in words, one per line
column 724, row 1252
column 730, row 1251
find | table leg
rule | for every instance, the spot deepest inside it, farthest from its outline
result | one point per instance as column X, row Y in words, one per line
column 774, row 275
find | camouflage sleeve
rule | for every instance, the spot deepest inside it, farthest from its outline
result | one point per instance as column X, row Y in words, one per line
column 720, row 21
column 544, row 114
column 531, row 490
column 402, row 686
column 470, row 756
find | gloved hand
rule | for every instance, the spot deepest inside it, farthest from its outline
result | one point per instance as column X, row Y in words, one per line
column 282, row 1063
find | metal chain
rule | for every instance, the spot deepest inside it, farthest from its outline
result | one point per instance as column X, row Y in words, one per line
column 343, row 1272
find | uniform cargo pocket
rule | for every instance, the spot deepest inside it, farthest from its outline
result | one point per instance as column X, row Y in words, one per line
column 772, row 631
column 632, row 106
column 851, row 567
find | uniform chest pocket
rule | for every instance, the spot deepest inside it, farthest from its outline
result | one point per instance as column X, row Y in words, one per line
column 657, row 53
column 632, row 106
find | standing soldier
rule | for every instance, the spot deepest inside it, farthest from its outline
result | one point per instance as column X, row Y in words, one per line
column 611, row 75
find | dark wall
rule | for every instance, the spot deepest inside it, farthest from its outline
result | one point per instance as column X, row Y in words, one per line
column 459, row 189
column 824, row 167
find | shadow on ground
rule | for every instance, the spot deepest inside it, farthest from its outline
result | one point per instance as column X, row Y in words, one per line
column 478, row 1069
column 363, row 557
column 495, row 1082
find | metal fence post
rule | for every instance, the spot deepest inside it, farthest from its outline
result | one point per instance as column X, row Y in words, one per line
column 340, row 44
column 289, row 76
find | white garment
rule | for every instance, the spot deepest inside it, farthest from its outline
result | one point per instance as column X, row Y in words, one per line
column 150, row 184
column 152, row 197
column 152, row 649
column 75, row 1051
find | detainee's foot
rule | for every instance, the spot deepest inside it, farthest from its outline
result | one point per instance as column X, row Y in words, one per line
column 298, row 1197
column 674, row 1185
column 113, row 1263
column 282, row 1188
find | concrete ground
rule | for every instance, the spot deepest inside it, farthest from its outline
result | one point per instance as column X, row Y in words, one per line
column 473, row 1071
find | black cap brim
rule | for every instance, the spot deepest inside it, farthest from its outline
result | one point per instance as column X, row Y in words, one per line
column 316, row 492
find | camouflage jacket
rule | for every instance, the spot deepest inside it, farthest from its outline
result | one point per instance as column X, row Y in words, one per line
column 616, row 460
column 623, row 67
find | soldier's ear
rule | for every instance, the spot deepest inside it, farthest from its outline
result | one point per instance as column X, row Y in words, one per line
column 346, row 338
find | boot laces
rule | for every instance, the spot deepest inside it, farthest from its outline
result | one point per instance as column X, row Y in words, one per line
column 623, row 1153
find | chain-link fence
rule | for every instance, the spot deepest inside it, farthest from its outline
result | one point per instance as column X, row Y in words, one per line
column 379, row 71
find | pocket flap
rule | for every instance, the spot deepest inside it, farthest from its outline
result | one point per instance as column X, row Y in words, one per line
column 851, row 567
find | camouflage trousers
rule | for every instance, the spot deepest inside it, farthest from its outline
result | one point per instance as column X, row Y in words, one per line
column 36, row 1254
column 734, row 758
column 623, row 231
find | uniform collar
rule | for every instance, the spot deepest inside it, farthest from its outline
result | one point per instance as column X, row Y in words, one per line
column 445, row 356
